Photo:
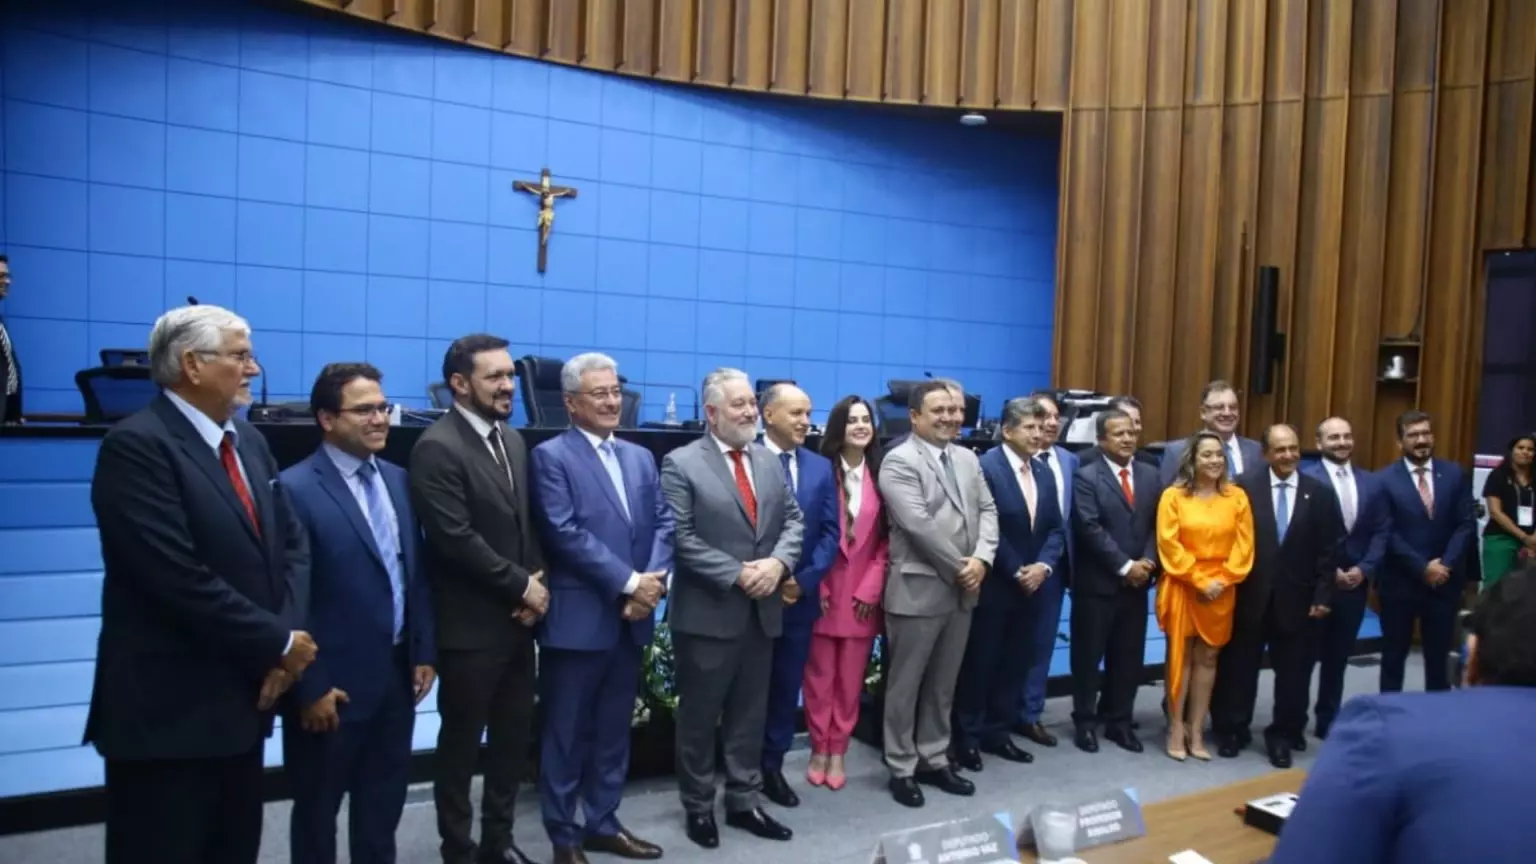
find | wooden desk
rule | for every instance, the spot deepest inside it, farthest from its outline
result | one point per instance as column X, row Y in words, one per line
column 1204, row 822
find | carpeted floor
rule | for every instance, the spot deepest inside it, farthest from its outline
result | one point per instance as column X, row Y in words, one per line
column 830, row 828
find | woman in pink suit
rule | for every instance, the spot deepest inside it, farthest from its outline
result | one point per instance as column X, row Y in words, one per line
column 850, row 593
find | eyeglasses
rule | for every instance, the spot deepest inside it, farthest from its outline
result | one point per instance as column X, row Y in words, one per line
column 604, row 393
column 242, row 358
column 365, row 412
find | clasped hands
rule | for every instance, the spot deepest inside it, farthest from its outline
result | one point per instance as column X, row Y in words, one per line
column 288, row 670
column 1213, row 589
column 1437, row 574
column 535, row 601
column 1348, row 579
column 648, row 593
column 760, row 578
column 972, row 571
column 1139, row 572
column 1031, row 576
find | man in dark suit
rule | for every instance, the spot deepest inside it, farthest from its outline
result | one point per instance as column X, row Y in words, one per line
column 737, row 541
column 1001, row 647
column 10, row 364
column 469, row 482
column 786, row 420
column 201, row 604
column 1296, row 535
column 1115, row 519
column 1429, row 504
column 348, row 728
column 1219, row 413
column 607, row 535
column 1363, row 511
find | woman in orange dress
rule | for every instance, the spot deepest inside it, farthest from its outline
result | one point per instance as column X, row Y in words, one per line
column 1205, row 543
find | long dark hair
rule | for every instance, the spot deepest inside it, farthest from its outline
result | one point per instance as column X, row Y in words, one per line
column 836, row 435
column 1185, row 479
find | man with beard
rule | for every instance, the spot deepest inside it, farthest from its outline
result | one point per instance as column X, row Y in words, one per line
column 469, row 481
column 737, row 540
column 1364, row 529
column 1429, row 504
column 943, row 537
column 1219, row 413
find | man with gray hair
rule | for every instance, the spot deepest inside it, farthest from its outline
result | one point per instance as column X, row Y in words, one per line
column 737, row 541
column 206, row 571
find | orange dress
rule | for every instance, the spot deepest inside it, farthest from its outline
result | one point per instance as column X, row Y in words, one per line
column 1199, row 540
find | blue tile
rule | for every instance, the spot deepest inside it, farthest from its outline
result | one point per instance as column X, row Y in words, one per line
column 461, row 134
column 816, row 283
column 575, row 95
column 318, row 349
column 815, row 335
column 50, row 505
column 126, row 289
column 723, row 224
column 50, row 640
column 202, row 95
column 270, row 234
column 772, row 229
column 862, row 288
column 273, row 105
column 943, row 342
column 400, row 186
column 339, row 116
column 397, row 307
column 906, row 292
column 676, row 164
column 271, row 170
column 727, row 172
column 404, row 65
column 198, row 35
column 511, row 256
column 902, row 339
column 623, row 266
column 342, row 56
column 818, row 233
column 578, row 147
column 568, row 318
column 397, row 246
column 455, row 308
column 274, row 44
column 864, row 379
column 769, row 336
column 41, row 139
column 55, row 369
column 336, row 178
column 271, row 298
column 335, row 240
column 678, row 113
column 621, row 322
column 625, row 213
column 128, row 83
column 819, row 182
column 674, row 271
column 770, row 280
column 858, row 337
column 722, row 275
column 625, row 157
column 773, row 177
column 520, row 84
column 42, row 67
column 282, row 362
column 335, row 303
column 460, row 192
column 41, row 211
column 457, row 252
column 943, row 288
column 63, row 272
column 722, row 327
column 401, row 124
column 130, row 221
column 908, row 243
column 627, row 103
column 572, row 263
column 127, row 152
column 403, row 362
column 863, row 239
column 519, row 142
column 208, row 282
column 463, row 76
column 201, row 161
column 515, row 314
column 200, row 227
column 819, row 381
column 674, row 218
column 727, row 123
column 670, row 324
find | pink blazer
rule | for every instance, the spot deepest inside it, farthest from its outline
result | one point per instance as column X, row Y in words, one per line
column 859, row 571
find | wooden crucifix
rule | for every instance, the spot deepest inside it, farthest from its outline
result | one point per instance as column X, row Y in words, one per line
column 547, row 195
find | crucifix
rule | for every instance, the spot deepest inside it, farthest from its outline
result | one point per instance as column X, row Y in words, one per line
column 547, row 195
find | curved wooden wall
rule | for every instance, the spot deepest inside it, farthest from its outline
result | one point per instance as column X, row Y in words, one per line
column 973, row 53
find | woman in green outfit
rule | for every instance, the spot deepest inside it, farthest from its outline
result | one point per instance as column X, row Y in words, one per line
column 1511, row 500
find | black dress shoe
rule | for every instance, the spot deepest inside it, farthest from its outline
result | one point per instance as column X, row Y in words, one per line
column 758, row 823
column 1229, row 746
column 945, row 780
column 776, row 789
column 968, row 758
column 1086, row 740
column 1299, row 743
column 702, row 830
column 624, row 845
column 1321, row 731
column 509, row 854
column 1037, row 733
column 1124, row 738
column 570, row 855
column 1009, row 751
column 1279, row 752
column 905, row 791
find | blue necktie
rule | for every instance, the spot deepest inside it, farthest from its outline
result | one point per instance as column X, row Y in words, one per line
column 384, row 537
column 1282, row 511
column 615, row 472
column 789, row 476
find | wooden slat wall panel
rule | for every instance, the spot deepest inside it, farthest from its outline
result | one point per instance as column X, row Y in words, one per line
column 904, row 20
column 980, row 44
column 866, row 50
column 1017, row 33
column 602, row 34
column 713, row 44
column 791, row 46
column 941, row 54
column 637, row 55
column 675, row 40
column 827, row 65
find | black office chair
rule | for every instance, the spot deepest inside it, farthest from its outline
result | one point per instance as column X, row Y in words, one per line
column 111, row 393
column 891, row 414
column 124, row 357
column 441, row 395
column 629, row 414
column 543, row 398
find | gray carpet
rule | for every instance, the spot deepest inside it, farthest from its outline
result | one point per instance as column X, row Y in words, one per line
column 830, row 827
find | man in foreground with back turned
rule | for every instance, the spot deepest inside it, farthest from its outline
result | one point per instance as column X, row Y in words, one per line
column 943, row 537
column 206, row 572
column 737, row 540
column 469, row 481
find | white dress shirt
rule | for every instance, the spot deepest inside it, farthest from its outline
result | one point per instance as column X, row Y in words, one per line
column 1130, row 479
column 1052, row 460
column 1429, row 475
column 794, row 458
column 853, row 486
column 1345, row 487
column 1018, row 465
column 634, row 575
column 1290, row 495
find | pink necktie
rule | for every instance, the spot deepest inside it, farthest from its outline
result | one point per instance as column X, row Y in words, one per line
column 1425, row 495
column 1027, row 485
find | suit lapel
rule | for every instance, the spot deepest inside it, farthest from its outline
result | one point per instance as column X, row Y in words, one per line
column 205, row 459
column 763, row 466
column 717, row 462
column 1300, row 506
column 593, row 463
column 938, row 473
column 260, row 486
column 335, row 485
column 480, row 454
column 1263, row 504
column 1111, row 483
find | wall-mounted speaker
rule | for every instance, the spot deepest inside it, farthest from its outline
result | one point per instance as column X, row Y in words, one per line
column 1267, row 347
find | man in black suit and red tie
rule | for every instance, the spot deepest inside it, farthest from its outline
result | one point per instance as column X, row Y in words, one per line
column 206, row 567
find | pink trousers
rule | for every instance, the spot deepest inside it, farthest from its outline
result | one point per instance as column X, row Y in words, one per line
column 834, row 679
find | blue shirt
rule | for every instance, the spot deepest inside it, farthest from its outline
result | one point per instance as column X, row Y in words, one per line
column 350, row 467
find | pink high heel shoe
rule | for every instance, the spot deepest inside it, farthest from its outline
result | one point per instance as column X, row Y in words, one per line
column 814, row 776
column 836, row 781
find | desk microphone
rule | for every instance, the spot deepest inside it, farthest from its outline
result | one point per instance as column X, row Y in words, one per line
column 191, row 301
column 689, row 387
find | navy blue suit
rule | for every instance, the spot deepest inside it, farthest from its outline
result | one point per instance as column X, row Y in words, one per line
column 590, row 656
column 1364, row 546
column 1003, row 643
column 1419, row 777
column 1045, row 606
column 1415, row 539
column 816, row 493
column 351, row 613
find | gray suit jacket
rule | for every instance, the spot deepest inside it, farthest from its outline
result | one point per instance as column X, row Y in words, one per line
column 931, row 533
column 1252, row 453
column 713, row 538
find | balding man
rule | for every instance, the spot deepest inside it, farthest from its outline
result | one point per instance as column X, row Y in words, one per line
column 786, row 420
column 1296, row 534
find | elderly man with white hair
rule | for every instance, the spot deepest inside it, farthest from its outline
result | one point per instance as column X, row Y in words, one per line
column 206, row 569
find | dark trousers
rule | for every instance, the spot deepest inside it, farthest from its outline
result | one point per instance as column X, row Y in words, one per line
column 998, row 656
column 1043, row 613
column 1113, row 630
column 490, row 693
column 1237, row 674
column 588, row 701
column 184, row 811
column 790, row 651
column 366, row 759
column 722, row 692
column 1435, row 613
column 1336, row 639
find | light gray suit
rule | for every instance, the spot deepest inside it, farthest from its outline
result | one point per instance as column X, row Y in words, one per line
column 722, row 639
column 927, row 613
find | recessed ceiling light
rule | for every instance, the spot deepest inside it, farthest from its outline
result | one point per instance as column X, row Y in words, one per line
column 971, row 118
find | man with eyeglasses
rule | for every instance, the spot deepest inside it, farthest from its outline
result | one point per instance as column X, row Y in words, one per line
column 348, row 728
column 1219, row 413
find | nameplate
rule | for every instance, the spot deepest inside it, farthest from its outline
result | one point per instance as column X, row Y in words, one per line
column 1269, row 814
column 977, row 840
column 1112, row 817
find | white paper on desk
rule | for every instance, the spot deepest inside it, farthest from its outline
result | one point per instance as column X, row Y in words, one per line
column 1188, row 856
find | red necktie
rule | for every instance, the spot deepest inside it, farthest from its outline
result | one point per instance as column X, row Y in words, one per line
column 1125, row 486
column 744, row 486
column 232, row 468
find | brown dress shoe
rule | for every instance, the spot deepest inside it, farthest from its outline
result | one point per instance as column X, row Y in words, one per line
column 570, row 855
column 624, row 845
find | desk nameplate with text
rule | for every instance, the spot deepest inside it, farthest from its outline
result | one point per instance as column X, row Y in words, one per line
column 1112, row 817
column 977, row 840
